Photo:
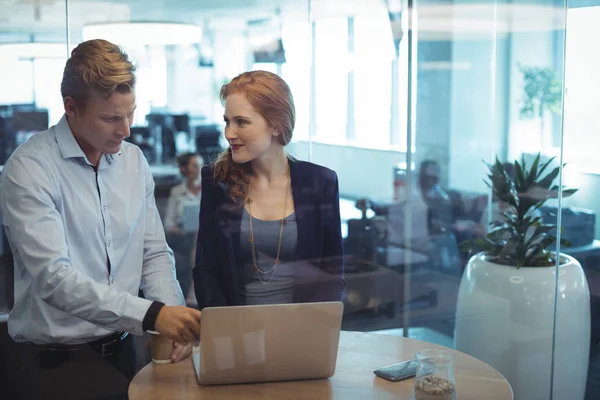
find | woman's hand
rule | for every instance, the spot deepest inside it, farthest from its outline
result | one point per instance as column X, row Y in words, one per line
column 180, row 351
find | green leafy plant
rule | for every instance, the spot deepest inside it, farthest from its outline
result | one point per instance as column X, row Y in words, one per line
column 521, row 238
column 542, row 93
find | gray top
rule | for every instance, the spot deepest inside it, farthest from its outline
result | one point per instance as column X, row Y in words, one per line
column 274, row 285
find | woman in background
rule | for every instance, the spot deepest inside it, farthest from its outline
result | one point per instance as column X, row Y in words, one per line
column 181, row 234
column 270, row 229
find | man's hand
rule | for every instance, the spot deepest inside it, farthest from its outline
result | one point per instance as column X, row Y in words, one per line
column 180, row 351
column 182, row 324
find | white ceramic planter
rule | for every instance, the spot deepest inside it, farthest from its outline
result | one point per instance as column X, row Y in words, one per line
column 505, row 317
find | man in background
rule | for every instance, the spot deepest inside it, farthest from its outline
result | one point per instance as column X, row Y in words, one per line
column 435, row 197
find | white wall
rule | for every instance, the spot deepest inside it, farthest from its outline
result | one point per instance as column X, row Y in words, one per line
column 195, row 89
column 361, row 172
column 486, row 94
column 189, row 87
column 478, row 110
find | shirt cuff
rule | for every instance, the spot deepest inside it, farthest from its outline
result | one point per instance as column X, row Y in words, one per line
column 151, row 315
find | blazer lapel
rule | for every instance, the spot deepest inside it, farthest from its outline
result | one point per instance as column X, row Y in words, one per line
column 230, row 216
column 303, row 206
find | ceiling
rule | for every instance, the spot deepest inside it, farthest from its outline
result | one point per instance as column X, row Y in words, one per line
column 45, row 19
column 48, row 16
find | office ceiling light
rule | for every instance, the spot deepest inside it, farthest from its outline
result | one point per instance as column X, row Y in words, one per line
column 144, row 33
column 34, row 50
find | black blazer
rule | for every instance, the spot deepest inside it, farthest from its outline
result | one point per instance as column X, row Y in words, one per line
column 218, row 272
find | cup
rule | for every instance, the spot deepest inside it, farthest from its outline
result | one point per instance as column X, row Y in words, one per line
column 161, row 348
column 435, row 376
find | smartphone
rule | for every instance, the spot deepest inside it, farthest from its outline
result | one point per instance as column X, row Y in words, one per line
column 398, row 372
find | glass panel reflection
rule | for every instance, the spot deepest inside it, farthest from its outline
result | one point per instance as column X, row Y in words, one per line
column 410, row 152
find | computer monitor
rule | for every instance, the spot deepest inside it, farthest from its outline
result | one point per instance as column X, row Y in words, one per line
column 17, row 124
column 165, row 128
column 208, row 141
column 142, row 137
column 181, row 122
column 27, row 123
column 269, row 52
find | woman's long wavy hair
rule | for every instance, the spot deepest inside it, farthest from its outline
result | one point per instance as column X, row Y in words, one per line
column 272, row 99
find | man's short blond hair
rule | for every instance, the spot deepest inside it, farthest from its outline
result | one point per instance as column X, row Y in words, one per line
column 97, row 66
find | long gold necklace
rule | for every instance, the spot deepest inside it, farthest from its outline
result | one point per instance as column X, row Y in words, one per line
column 251, row 239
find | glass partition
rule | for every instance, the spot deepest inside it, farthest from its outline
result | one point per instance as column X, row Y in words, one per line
column 579, row 211
column 410, row 103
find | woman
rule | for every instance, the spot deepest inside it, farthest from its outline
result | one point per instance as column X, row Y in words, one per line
column 180, row 233
column 270, row 229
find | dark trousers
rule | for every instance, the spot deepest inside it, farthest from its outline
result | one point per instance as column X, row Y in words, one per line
column 35, row 372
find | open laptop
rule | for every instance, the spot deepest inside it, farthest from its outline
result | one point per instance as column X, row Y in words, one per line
column 191, row 217
column 267, row 343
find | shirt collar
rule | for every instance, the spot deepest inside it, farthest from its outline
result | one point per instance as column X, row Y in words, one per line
column 190, row 194
column 68, row 146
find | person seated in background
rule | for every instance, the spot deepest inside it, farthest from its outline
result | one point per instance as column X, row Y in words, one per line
column 470, row 229
column 187, row 192
column 429, row 180
column 430, row 207
column 180, row 224
column 270, row 227
column 395, row 217
column 437, row 199
column 78, row 208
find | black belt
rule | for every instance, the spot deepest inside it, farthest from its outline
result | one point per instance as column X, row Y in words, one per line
column 105, row 346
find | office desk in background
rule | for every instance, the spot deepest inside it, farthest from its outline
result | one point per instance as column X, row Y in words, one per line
column 359, row 354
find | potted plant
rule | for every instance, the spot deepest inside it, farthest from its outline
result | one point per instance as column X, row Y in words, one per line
column 512, row 311
column 542, row 96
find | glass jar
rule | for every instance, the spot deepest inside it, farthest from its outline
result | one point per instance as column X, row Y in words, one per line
column 435, row 376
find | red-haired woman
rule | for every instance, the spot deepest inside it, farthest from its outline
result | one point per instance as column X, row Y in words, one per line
column 270, row 230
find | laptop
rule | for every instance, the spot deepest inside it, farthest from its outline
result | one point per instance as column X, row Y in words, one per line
column 268, row 343
column 191, row 217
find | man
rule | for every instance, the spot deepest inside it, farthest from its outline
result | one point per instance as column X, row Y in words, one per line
column 78, row 208
column 437, row 199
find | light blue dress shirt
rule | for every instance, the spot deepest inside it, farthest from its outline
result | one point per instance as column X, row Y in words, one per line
column 65, row 223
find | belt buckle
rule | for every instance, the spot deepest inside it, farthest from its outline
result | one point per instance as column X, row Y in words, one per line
column 105, row 348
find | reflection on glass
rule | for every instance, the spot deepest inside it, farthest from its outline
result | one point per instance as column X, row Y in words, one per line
column 487, row 81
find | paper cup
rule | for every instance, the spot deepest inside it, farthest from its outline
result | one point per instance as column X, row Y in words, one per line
column 161, row 348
